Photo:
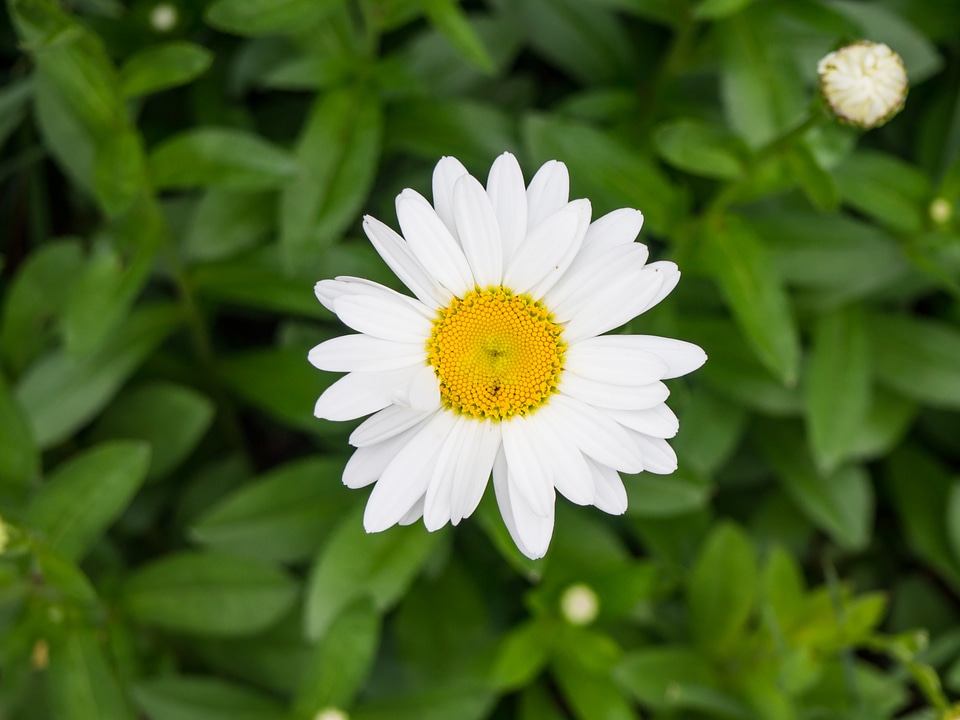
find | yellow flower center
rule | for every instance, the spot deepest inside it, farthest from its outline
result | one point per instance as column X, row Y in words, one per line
column 496, row 354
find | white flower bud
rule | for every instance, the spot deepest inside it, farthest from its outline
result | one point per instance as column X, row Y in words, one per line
column 941, row 211
column 163, row 17
column 579, row 604
column 865, row 84
column 331, row 713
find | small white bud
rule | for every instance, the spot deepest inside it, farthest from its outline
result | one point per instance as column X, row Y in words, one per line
column 331, row 714
column 865, row 84
column 4, row 536
column 163, row 17
column 941, row 211
column 579, row 604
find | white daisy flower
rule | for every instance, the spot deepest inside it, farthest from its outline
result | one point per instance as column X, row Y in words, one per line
column 865, row 84
column 499, row 363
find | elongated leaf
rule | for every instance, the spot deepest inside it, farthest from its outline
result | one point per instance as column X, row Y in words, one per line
column 817, row 184
column 340, row 661
column 699, row 148
column 202, row 698
column 592, row 695
column 604, row 170
column 654, row 496
column 522, row 654
column 841, row 503
column 35, row 300
column 79, row 680
column 721, row 591
column 163, row 66
column 917, row 358
column 282, row 516
column 222, row 158
column 716, row 9
column 652, row 675
column 60, row 393
column 208, row 594
column 268, row 17
column 338, row 154
column 14, row 100
column 19, row 458
column 449, row 19
column 83, row 497
column 228, row 222
column 355, row 564
column 885, row 188
column 953, row 520
column 751, row 285
column 170, row 417
column 837, row 391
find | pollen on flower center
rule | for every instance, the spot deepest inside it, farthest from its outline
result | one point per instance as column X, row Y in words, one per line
column 496, row 354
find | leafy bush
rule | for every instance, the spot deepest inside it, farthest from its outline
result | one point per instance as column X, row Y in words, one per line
column 176, row 540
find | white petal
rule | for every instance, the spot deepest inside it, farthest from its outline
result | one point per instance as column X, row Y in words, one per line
column 386, row 424
column 367, row 464
column 384, row 317
column 413, row 514
column 329, row 290
column 524, row 458
column 445, row 176
column 432, row 243
column 364, row 353
column 596, row 434
column 557, row 270
column 658, row 421
column 423, row 392
column 509, row 198
column 615, row 229
column 611, row 496
column 658, row 456
column 620, row 266
column 523, row 525
column 614, row 363
column 613, row 305
column 670, row 277
column 480, row 447
column 566, row 466
column 682, row 357
column 546, row 248
column 405, row 479
column 398, row 256
column 607, row 395
column 436, row 506
column 549, row 191
column 479, row 231
column 361, row 393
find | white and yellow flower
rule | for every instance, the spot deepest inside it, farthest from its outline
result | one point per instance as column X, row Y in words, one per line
column 865, row 83
column 499, row 363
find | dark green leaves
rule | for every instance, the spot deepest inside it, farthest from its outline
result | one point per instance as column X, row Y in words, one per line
column 82, row 498
column 79, row 680
column 266, row 17
column 208, row 594
column 700, row 149
column 163, row 66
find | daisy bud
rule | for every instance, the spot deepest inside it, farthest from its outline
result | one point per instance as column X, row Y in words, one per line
column 4, row 536
column 579, row 604
column 163, row 17
column 331, row 713
column 941, row 211
column 865, row 84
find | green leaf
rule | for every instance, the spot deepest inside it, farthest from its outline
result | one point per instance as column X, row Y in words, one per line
column 35, row 298
column 338, row 154
column 268, row 17
column 203, row 698
column 79, row 680
column 656, row 675
column 885, row 188
column 591, row 695
column 712, row 429
column 279, row 381
column 783, row 587
column 163, row 66
column 917, row 358
column 472, row 131
column 755, row 294
column 19, row 458
column 699, row 149
column 83, row 497
column 717, row 9
column 171, row 418
column 763, row 95
column 14, row 102
column 841, row 503
column 604, row 170
column 837, row 390
column 355, row 564
column 456, row 699
column 887, row 421
column 206, row 593
column 227, row 222
column 61, row 393
column 817, row 184
column 522, row 654
column 282, row 516
column 722, row 589
column 655, row 496
column 447, row 17
column 220, row 157
column 340, row 662
column 953, row 520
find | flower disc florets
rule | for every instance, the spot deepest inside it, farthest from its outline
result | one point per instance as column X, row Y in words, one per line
column 865, row 84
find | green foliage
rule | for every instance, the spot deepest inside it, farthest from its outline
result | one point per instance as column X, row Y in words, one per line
column 175, row 539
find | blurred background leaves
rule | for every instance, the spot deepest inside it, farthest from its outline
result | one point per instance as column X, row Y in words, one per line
column 176, row 543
